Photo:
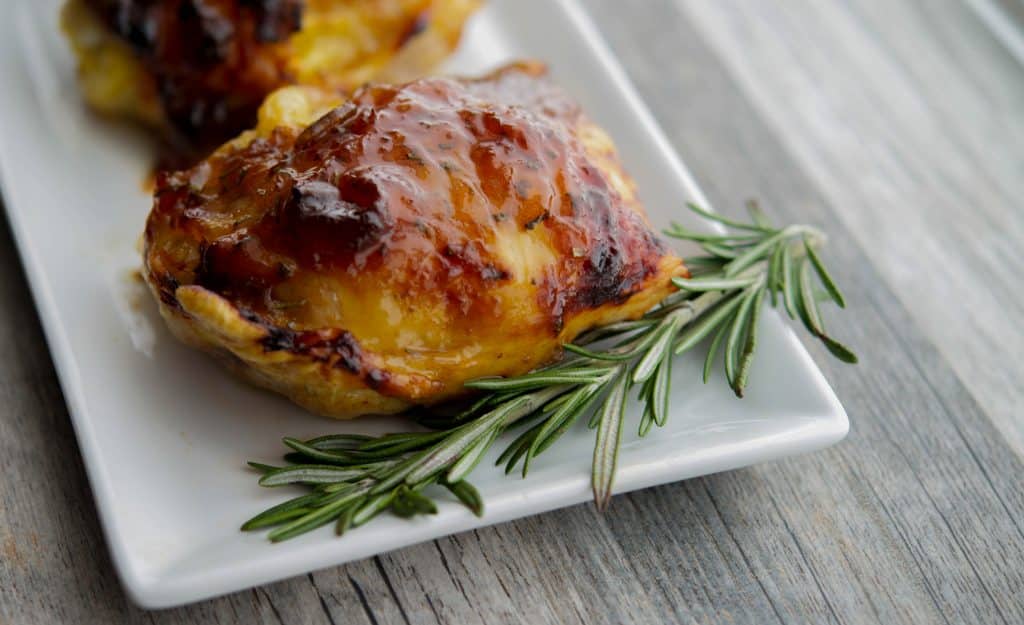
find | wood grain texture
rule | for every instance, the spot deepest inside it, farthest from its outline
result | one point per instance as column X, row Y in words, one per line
column 907, row 117
column 850, row 116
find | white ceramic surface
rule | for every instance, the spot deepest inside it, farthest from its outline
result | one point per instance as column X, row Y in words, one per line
column 165, row 433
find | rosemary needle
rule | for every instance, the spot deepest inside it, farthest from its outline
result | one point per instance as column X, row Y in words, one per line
column 353, row 478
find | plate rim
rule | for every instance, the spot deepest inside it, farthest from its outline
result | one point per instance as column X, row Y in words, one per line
column 154, row 591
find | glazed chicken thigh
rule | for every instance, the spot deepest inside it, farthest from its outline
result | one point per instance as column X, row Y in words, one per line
column 366, row 256
column 199, row 69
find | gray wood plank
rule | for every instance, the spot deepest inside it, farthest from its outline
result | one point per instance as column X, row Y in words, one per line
column 735, row 157
column 906, row 115
column 916, row 518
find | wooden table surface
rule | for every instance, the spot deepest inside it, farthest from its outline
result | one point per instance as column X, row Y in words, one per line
column 899, row 128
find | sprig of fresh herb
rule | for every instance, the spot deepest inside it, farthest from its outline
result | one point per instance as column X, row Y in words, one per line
column 353, row 478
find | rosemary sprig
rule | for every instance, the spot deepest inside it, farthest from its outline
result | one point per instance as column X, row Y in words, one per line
column 353, row 478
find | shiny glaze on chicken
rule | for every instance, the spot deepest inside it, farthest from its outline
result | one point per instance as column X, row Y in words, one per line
column 201, row 68
column 408, row 240
column 213, row 61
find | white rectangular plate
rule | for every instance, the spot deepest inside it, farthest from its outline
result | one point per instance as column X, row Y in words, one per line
column 165, row 433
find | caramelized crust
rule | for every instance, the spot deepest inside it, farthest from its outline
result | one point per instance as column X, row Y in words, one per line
column 410, row 239
column 212, row 61
column 202, row 67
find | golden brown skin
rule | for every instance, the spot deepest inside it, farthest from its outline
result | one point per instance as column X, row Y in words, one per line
column 411, row 239
column 199, row 69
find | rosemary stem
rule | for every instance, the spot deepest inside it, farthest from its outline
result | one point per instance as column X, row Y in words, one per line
column 693, row 308
column 355, row 478
column 536, row 400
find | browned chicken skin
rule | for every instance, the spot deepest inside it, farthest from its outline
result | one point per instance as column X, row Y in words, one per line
column 199, row 69
column 213, row 61
column 409, row 240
